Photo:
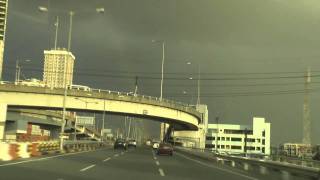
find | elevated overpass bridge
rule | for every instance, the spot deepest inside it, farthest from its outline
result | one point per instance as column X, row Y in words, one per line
column 179, row 115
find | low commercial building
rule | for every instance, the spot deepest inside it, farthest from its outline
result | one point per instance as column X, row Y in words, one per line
column 237, row 139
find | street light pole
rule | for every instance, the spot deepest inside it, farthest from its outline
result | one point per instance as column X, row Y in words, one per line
column 75, row 129
column 162, row 69
column 64, row 106
column 63, row 118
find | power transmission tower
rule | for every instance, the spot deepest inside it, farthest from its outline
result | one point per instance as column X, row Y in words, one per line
column 306, row 110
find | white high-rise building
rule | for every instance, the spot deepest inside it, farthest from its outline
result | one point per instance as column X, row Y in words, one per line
column 58, row 68
column 235, row 139
column 3, row 19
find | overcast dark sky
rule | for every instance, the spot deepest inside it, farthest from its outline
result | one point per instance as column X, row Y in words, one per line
column 233, row 41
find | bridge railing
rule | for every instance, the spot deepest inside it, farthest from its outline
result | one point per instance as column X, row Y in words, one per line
column 129, row 96
column 263, row 166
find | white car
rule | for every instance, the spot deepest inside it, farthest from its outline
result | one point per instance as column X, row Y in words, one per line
column 155, row 145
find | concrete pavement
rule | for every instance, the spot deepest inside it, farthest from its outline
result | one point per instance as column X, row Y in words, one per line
column 140, row 163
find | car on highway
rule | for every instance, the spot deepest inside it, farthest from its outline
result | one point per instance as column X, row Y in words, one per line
column 132, row 143
column 148, row 142
column 165, row 148
column 120, row 144
column 155, row 144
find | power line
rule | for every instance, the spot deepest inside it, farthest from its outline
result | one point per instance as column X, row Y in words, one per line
column 246, row 94
column 178, row 78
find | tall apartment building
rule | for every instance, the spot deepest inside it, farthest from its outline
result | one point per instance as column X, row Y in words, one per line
column 58, row 68
column 236, row 139
column 3, row 19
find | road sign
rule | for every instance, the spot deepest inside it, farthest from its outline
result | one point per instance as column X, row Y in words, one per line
column 85, row 120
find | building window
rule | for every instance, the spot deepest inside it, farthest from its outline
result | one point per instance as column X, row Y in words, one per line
column 250, row 140
column 222, row 146
column 263, row 133
column 218, row 138
column 209, row 146
column 227, row 146
column 210, row 138
column 232, row 131
column 222, row 138
column 258, row 140
column 258, row 148
column 263, row 142
column 236, row 147
column 263, row 150
column 250, row 148
column 218, row 146
column 236, row 139
column 211, row 131
column 228, row 139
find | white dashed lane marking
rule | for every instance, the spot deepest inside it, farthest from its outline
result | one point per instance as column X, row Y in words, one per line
column 157, row 162
column 86, row 168
column 106, row 159
column 161, row 172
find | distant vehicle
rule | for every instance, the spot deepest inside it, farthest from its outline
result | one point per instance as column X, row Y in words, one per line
column 155, row 144
column 4, row 82
column 148, row 143
column 120, row 144
column 32, row 82
column 165, row 148
column 132, row 143
column 79, row 87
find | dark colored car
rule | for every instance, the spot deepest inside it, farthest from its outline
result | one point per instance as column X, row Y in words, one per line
column 120, row 144
column 165, row 148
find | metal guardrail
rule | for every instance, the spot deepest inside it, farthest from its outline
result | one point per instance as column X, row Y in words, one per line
column 261, row 165
column 106, row 94
column 296, row 161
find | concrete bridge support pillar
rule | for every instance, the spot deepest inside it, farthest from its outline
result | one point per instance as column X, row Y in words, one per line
column 3, row 117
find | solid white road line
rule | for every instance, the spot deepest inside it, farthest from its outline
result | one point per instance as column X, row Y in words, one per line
column 221, row 169
column 86, row 168
column 157, row 162
column 161, row 172
column 106, row 159
column 44, row 158
column 116, row 155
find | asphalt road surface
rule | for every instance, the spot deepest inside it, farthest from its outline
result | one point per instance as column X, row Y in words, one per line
column 134, row 164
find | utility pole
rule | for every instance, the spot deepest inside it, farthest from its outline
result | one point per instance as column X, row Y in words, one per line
column 125, row 128
column 18, row 71
column 198, row 99
column 103, row 119
column 136, row 86
column 217, row 134
column 71, row 13
column 306, row 110
column 245, row 141
column 129, row 129
column 56, row 35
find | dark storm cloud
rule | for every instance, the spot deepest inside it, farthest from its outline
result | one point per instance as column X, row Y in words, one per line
column 222, row 36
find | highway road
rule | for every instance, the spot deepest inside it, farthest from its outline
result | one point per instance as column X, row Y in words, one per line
column 140, row 163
